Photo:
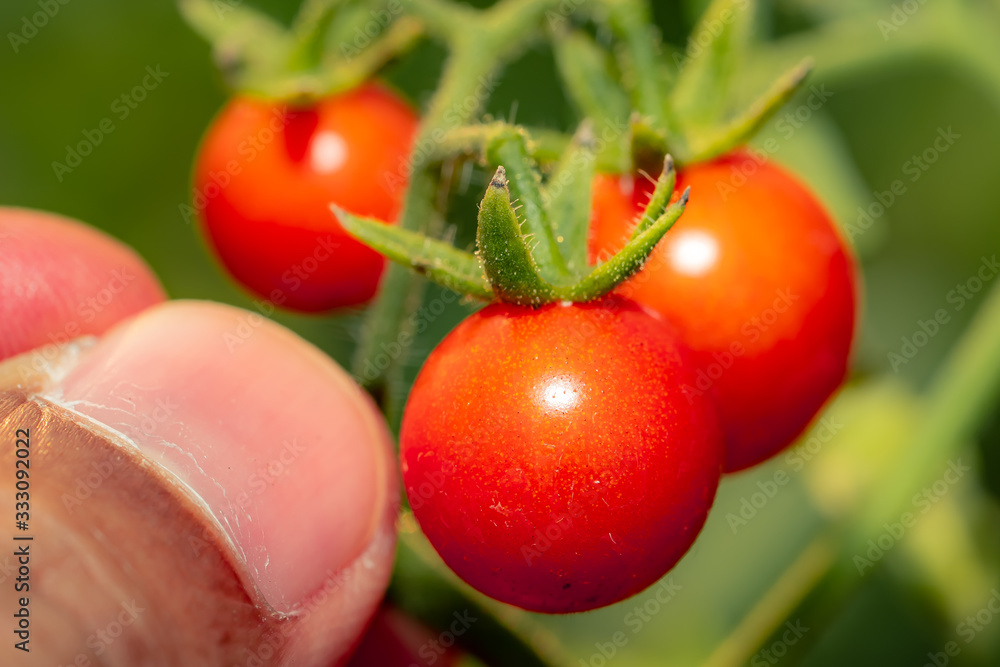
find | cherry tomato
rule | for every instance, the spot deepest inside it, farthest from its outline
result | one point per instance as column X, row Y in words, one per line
column 551, row 457
column 266, row 175
column 394, row 639
column 757, row 282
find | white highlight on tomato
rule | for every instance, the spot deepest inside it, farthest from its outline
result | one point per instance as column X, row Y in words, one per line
column 693, row 252
column 329, row 152
column 560, row 394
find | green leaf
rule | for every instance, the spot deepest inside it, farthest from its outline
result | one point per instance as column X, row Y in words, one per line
column 245, row 42
column 629, row 260
column 567, row 198
column 351, row 55
column 715, row 47
column 638, row 57
column 506, row 257
column 509, row 148
column 707, row 144
column 593, row 88
column 438, row 261
column 316, row 57
column 311, row 25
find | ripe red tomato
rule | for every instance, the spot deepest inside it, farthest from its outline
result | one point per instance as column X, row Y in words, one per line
column 394, row 639
column 757, row 282
column 266, row 175
column 551, row 457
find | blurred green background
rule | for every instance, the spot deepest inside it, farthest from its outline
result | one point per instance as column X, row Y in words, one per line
column 884, row 109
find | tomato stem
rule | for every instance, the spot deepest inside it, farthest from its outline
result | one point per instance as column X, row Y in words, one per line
column 481, row 42
column 509, row 257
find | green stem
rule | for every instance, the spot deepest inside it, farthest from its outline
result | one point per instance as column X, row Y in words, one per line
column 309, row 29
column 385, row 318
column 962, row 394
column 567, row 197
column 481, row 42
column 718, row 140
column 444, row 18
column 545, row 146
column 593, row 89
column 402, row 35
column 440, row 261
column 776, row 605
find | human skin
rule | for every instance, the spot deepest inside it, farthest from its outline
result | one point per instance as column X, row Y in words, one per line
column 196, row 498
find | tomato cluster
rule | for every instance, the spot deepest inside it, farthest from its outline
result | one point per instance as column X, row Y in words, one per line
column 562, row 457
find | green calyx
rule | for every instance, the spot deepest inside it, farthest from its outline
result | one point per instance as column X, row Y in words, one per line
column 530, row 262
column 505, row 251
column 688, row 101
column 323, row 52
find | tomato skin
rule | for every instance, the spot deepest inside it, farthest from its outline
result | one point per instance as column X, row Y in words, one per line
column 551, row 457
column 266, row 175
column 758, row 283
column 395, row 639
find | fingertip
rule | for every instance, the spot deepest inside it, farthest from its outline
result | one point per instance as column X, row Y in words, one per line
column 288, row 453
column 60, row 279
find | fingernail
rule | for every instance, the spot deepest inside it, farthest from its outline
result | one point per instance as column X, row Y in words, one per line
column 286, row 452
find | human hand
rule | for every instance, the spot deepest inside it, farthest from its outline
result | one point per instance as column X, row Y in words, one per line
column 203, row 486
